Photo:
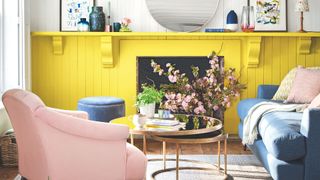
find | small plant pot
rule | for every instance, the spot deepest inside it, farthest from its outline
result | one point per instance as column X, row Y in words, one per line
column 148, row 110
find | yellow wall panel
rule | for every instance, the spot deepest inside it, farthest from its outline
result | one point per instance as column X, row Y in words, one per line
column 61, row 80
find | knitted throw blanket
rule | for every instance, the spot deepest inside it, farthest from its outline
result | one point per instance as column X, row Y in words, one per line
column 250, row 125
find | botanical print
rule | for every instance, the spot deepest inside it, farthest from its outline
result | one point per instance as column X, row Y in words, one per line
column 72, row 11
column 268, row 11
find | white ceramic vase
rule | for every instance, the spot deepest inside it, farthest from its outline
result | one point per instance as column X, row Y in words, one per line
column 139, row 120
column 148, row 110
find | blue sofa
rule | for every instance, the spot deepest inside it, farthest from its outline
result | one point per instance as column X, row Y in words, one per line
column 288, row 145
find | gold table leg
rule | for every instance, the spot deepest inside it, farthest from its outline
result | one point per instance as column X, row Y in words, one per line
column 225, row 156
column 164, row 152
column 131, row 138
column 144, row 144
column 177, row 161
column 219, row 149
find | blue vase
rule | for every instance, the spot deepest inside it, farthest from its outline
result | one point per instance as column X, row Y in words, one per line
column 97, row 19
column 83, row 25
column 232, row 21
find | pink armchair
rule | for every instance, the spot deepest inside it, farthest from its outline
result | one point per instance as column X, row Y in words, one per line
column 63, row 145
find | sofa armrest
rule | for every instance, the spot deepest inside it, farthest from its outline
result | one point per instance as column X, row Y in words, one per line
column 310, row 128
column 78, row 114
column 136, row 163
column 267, row 91
column 85, row 129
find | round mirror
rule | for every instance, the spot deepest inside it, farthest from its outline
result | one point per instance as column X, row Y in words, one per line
column 182, row 15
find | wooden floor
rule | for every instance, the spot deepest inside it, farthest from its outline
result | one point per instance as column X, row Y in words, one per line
column 154, row 147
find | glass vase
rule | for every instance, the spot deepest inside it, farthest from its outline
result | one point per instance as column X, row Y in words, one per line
column 248, row 19
column 97, row 19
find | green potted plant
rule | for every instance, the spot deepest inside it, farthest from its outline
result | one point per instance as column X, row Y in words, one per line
column 147, row 99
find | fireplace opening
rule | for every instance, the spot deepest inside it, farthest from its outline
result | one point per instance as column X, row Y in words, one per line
column 145, row 74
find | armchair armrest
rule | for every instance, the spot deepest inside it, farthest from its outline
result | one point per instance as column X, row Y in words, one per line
column 77, row 127
column 78, row 114
column 267, row 91
column 310, row 128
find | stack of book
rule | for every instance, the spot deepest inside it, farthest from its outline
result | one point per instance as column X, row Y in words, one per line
column 164, row 125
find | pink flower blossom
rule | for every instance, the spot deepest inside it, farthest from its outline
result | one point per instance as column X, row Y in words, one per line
column 170, row 96
column 172, row 78
column 188, row 87
column 126, row 21
column 185, row 105
column 215, row 107
column 161, row 72
column 179, row 97
column 187, row 99
column 200, row 110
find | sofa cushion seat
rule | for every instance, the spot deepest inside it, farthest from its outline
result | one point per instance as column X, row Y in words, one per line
column 245, row 105
column 280, row 132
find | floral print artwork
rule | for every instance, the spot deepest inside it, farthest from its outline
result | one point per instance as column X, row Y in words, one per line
column 72, row 11
column 268, row 12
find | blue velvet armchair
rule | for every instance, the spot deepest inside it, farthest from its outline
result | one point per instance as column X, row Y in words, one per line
column 289, row 142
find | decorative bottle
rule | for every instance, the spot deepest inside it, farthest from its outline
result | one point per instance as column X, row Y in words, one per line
column 97, row 19
column 232, row 21
column 83, row 25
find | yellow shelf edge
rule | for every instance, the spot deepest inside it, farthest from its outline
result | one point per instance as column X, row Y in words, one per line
column 166, row 34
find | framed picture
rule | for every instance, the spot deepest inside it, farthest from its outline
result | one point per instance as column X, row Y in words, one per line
column 71, row 11
column 270, row 15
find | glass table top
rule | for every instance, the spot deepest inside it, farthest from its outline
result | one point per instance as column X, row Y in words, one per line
column 179, row 124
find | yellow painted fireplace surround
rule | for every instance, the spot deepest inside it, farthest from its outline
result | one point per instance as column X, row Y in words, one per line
column 67, row 66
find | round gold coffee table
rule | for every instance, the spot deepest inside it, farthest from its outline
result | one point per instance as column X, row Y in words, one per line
column 198, row 130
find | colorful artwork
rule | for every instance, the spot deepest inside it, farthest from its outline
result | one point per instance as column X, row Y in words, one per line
column 270, row 15
column 72, row 11
column 268, row 11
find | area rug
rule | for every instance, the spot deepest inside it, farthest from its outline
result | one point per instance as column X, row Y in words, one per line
column 240, row 167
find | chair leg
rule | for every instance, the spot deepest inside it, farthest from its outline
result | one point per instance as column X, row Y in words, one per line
column 244, row 147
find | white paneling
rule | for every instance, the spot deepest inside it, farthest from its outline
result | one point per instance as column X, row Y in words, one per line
column 45, row 14
column 11, row 44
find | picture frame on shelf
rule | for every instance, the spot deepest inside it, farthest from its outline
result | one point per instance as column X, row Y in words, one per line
column 71, row 11
column 270, row 15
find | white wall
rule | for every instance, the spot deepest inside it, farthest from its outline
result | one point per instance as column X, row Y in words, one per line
column 45, row 14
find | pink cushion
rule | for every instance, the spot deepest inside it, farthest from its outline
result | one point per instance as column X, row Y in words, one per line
column 306, row 86
column 315, row 103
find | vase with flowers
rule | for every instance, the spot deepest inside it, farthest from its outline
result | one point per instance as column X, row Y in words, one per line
column 201, row 95
column 125, row 25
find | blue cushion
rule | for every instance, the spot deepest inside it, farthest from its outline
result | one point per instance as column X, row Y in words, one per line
column 103, row 109
column 245, row 105
column 101, row 100
column 280, row 132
